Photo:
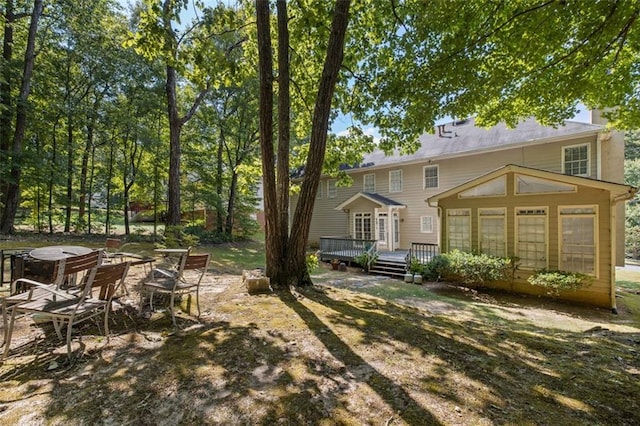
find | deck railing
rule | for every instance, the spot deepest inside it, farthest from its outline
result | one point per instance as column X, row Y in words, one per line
column 424, row 252
column 344, row 248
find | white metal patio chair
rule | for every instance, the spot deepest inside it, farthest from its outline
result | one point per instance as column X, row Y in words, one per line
column 176, row 282
column 73, row 307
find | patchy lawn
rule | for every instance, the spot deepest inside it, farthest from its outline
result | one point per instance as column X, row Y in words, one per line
column 351, row 350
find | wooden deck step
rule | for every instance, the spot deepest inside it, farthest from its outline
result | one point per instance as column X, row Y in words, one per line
column 389, row 267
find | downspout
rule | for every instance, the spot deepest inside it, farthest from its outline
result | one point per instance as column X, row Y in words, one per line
column 439, row 224
column 613, row 237
column 598, row 158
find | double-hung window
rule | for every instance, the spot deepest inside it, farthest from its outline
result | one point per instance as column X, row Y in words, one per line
column 491, row 231
column 578, row 230
column 332, row 190
column 426, row 224
column 576, row 160
column 430, row 177
column 531, row 237
column 395, row 181
column 459, row 229
column 369, row 183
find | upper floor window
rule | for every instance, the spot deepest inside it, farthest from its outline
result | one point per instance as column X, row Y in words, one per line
column 395, row 181
column 369, row 183
column 430, row 176
column 575, row 160
column 332, row 190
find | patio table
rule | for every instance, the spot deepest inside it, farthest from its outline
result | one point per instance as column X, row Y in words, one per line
column 53, row 253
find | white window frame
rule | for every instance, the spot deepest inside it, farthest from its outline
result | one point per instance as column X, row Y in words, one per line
column 332, row 188
column 424, row 177
column 363, row 216
column 393, row 176
column 373, row 184
column 595, row 243
column 467, row 214
column 423, row 226
column 588, row 159
column 487, row 215
column 537, row 264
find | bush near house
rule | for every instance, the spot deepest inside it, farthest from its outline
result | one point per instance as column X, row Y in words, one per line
column 473, row 269
column 558, row 281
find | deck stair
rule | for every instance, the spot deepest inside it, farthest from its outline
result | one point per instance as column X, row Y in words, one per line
column 390, row 266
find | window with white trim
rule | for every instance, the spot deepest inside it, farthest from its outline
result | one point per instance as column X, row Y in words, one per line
column 430, row 174
column 531, row 237
column 382, row 228
column 578, row 237
column 319, row 192
column 362, row 226
column 395, row 181
column 332, row 190
column 426, row 224
column 459, row 229
column 492, row 231
column 576, row 160
column 369, row 183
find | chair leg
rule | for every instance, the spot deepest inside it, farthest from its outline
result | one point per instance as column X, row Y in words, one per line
column 198, row 300
column 5, row 321
column 106, row 322
column 56, row 326
column 69, row 330
column 173, row 315
column 9, row 333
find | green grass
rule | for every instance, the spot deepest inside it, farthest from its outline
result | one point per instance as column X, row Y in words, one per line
column 628, row 280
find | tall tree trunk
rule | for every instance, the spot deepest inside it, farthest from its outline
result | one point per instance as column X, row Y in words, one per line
column 107, row 224
column 175, row 128
column 6, row 110
column 313, row 169
column 70, row 152
column 273, row 244
column 219, row 183
column 88, row 149
column 52, row 172
column 284, row 124
column 231, row 205
column 13, row 191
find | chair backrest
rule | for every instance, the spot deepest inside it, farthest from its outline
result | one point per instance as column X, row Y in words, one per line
column 83, row 262
column 112, row 244
column 193, row 262
column 106, row 279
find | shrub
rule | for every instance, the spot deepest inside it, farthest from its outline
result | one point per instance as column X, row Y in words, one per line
column 312, row 262
column 557, row 281
column 366, row 259
column 476, row 269
column 416, row 267
column 437, row 268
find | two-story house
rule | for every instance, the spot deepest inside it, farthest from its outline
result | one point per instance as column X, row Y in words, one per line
column 388, row 199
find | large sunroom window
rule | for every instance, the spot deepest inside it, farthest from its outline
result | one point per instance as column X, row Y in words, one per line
column 459, row 229
column 492, row 229
column 578, row 239
column 531, row 237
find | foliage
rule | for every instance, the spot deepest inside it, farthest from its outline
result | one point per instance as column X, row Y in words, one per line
column 313, row 262
column 416, row 267
column 476, row 269
column 176, row 236
column 436, row 268
column 366, row 259
column 558, row 281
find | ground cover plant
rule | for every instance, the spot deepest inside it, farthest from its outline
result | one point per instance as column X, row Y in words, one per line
column 353, row 349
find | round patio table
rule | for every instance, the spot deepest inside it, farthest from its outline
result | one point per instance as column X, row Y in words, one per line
column 53, row 253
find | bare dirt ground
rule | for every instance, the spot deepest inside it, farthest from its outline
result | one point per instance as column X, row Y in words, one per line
column 336, row 353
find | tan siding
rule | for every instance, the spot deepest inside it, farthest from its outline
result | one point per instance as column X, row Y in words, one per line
column 599, row 292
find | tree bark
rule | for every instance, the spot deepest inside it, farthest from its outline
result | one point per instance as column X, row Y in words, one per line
column 274, row 263
column 13, row 191
column 301, row 222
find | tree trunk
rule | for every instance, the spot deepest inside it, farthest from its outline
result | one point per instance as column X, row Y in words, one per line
column 6, row 110
column 275, row 268
column 301, row 223
column 175, row 128
column 231, row 205
column 284, row 124
column 13, row 191
column 70, row 152
column 88, row 148
column 219, row 184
